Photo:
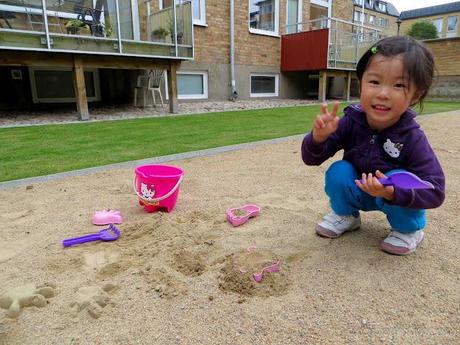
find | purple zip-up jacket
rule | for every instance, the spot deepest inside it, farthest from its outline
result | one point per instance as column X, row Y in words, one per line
column 401, row 146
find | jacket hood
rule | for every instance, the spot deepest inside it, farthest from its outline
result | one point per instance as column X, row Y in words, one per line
column 406, row 121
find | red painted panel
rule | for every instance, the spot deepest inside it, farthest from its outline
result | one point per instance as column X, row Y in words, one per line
column 304, row 51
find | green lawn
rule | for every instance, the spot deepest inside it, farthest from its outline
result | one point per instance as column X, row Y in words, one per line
column 41, row 150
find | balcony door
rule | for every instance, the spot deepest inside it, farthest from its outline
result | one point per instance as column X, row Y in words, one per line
column 294, row 16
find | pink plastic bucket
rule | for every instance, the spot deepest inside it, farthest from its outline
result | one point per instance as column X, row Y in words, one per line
column 157, row 186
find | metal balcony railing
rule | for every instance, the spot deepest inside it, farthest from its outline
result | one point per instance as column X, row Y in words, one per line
column 109, row 27
column 347, row 41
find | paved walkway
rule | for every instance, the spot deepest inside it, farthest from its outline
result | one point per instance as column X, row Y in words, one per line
column 101, row 113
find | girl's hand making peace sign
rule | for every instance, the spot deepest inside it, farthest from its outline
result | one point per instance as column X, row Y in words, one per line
column 325, row 123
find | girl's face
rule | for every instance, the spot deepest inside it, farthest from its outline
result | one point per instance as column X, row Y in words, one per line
column 385, row 91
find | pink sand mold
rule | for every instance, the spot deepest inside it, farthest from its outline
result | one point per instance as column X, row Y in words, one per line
column 105, row 217
column 275, row 267
column 251, row 248
column 240, row 215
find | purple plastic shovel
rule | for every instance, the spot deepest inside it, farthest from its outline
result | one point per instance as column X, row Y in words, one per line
column 108, row 234
column 405, row 180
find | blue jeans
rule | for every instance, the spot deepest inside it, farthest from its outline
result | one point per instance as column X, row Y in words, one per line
column 347, row 199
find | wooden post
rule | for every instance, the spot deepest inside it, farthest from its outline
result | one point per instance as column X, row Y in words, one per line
column 172, row 87
column 80, row 89
column 322, row 86
column 347, row 95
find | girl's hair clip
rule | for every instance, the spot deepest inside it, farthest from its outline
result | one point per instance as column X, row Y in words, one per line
column 374, row 50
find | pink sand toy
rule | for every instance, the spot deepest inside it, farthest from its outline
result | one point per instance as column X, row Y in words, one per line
column 157, row 186
column 240, row 215
column 105, row 217
column 275, row 267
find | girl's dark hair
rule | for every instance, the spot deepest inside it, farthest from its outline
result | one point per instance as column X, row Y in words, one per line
column 418, row 61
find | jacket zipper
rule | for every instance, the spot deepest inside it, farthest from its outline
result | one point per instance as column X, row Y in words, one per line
column 371, row 149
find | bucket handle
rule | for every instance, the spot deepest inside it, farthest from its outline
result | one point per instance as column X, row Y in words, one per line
column 155, row 201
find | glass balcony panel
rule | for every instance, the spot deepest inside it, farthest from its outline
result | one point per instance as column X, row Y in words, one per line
column 92, row 26
column 82, row 17
column 24, row 15
column 126, row 19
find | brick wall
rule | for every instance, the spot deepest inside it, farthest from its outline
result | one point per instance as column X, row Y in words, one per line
column 343, row 9
column 446, row 53
column 447, row 81
column 212, row 43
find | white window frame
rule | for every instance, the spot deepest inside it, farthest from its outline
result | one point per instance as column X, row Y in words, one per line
column 324, row 3
column 33, row 85
column 451, row 33
column 440, row 20
column 382, row 6
column 204, row 74
column 372, row 22
column 201, row 21
column 275, row 32
column 255, row 95
column 299, row 15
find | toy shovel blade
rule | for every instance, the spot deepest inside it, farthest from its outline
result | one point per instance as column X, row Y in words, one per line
column 406, row 180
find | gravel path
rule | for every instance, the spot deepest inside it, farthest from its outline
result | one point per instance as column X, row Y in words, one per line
column 102, row 113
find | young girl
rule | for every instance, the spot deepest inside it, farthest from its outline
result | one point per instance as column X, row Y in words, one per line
column 379, row 137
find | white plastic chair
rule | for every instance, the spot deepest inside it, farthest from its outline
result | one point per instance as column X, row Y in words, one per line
column 155, row 79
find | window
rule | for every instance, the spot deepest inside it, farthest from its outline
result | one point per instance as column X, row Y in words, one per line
column 369, row 3
column 371, row 19
column 56, row 85
column 383, row 22
column 264, row 17
column 198, row 9
column 294, row 16
column 452, row 26
column 438, row 24
column 382, row 6
column 192, row 85
column 264, row 85
column 359, row 2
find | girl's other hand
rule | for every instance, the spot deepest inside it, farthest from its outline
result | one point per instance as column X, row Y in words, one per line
column 325, row 123
column 371, row 185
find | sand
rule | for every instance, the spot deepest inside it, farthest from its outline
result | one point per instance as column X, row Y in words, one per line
column 185, row 277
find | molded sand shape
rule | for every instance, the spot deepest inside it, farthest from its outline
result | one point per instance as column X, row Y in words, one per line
column 93, row 299
column 240, row 215
column 14, row 299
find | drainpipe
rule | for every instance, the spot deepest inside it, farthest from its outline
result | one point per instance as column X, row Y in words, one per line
column 234, row 94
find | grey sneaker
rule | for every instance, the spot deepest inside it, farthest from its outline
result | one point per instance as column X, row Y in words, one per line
column 333, row 225
column 399, row 243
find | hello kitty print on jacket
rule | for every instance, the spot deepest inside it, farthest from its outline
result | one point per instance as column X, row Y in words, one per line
column 393, row 149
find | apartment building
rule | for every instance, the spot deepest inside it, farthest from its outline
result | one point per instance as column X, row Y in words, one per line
column 445, row 48
column 379, row 14
column 281, row 48
column 56, row 52
column 211, row 49
column 444, row 17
